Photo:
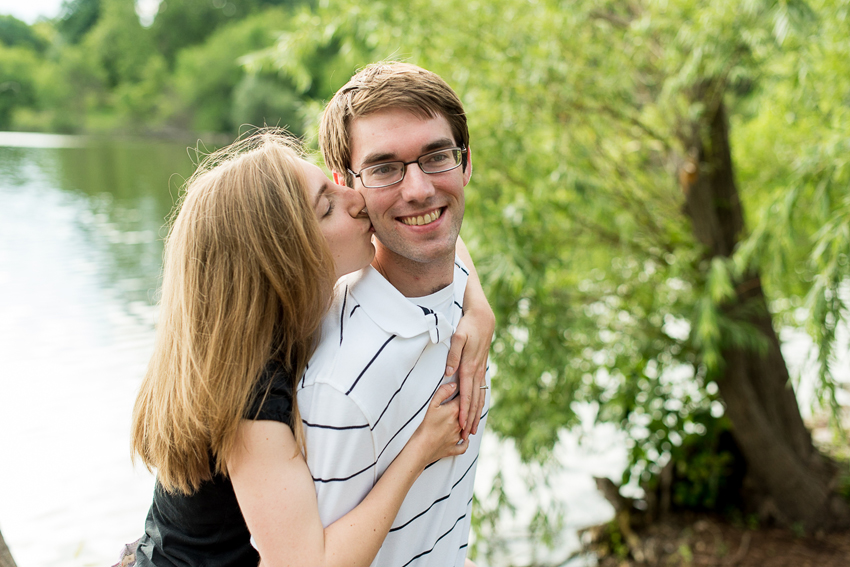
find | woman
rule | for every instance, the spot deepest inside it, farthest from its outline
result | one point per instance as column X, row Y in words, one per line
column 250, row 263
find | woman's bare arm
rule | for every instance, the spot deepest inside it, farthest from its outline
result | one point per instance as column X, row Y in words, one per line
column 278, row 500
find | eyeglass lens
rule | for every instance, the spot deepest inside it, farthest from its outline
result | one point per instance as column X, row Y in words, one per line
column 392, row 172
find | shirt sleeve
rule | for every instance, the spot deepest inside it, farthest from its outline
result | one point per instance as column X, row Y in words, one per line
column 272, row 397
column 340, row 450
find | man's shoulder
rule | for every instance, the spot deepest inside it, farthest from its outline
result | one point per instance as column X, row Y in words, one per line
column 347, row 337
column 461, row 269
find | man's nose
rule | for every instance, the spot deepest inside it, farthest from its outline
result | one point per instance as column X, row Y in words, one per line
column 416, row 186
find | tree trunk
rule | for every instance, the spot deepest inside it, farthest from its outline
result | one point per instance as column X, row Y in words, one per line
column 6, row 559
column 798, row 483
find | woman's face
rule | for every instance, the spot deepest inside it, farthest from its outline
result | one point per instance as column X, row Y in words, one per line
column 343, row 221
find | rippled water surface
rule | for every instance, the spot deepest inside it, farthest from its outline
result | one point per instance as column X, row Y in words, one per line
column 80, row 249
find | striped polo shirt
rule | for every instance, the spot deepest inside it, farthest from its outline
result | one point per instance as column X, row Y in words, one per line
column 364, row 393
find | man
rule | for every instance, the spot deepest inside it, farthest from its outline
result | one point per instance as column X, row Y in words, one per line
column 398, row 134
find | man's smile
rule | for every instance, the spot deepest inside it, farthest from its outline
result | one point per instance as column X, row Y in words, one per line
column 419, row 220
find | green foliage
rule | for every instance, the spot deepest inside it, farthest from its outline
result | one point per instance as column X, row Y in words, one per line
column 486, row 518
column 22, row 69
column 104, row 77
column 315, row 55
column 184, row 23
column 844, row 481
column 78, row 17
column 70, row 88
column 700, row 486
column 14, row 32
column 121, row 44
column 261, row 99
column 185, row 72
column 794, row 156
column 707, row 475
column 18, row 67
column 617, row 540
column 141, row 101
column 206, row 77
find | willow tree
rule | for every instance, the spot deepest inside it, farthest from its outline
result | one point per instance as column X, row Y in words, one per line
column 616, row 150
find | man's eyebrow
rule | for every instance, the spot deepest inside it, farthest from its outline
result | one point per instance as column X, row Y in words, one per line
column 439, row 145
column 389, row 156
column 319, row 195
column 379, row 157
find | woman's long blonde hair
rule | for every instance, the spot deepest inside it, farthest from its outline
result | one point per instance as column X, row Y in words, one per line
column 247, row 277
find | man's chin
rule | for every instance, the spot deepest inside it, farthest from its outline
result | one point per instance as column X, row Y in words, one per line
column 415, row 254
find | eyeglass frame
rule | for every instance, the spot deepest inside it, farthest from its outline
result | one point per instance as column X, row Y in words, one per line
column 404, row 165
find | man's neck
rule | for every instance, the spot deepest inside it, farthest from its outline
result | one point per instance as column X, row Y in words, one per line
column 411, row 278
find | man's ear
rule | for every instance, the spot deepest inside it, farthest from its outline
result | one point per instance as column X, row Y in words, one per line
column 339, row 178
column 467, row 173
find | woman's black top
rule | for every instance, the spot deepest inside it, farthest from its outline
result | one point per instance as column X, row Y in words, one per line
column 207, row 529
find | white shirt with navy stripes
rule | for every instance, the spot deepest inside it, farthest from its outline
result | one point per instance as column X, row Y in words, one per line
column 381, row 359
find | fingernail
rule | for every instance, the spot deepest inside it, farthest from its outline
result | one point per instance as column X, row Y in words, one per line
column 449, row 370
column 452, row 385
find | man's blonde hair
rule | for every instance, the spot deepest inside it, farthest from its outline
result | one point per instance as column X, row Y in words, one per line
column 247, row 278
column 383, row 86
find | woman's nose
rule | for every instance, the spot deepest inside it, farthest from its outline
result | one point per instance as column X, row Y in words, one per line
column 354, row 203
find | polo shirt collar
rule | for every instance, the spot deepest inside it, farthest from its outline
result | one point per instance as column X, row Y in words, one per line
column 396, row 314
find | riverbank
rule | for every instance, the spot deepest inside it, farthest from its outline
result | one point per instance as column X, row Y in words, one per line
column 690, row 539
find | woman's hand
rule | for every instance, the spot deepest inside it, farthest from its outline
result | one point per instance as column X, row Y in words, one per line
column 470, row 348
column 468, row 353
column 439, row 434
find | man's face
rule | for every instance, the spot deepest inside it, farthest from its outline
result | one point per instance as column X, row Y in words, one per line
column 418, row 219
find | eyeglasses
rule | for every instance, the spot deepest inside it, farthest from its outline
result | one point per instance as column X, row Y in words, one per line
column 392, row 172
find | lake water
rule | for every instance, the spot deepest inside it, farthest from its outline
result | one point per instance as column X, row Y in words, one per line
column 80, row 251
column 80, row 256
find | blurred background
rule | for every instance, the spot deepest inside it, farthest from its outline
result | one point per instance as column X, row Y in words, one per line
column 660, row 213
